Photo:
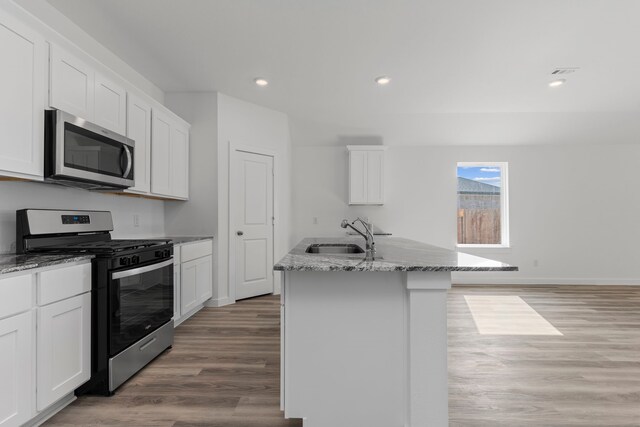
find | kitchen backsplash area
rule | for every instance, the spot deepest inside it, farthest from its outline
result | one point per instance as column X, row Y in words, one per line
column 132, row 217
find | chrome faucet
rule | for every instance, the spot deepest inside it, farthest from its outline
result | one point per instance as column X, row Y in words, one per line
column 368, row 234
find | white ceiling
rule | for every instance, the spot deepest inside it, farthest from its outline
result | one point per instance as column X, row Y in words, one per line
column 447, row 58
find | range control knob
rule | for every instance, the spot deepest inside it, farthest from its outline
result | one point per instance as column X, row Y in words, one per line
column 167, row 253
column 158, row 254
column 125, row 261
column 135, row 259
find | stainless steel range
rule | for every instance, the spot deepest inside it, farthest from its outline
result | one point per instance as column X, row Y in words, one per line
column 132, row 285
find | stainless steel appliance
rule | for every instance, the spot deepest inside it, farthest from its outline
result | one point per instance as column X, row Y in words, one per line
column 82, row 154
column 132, row 285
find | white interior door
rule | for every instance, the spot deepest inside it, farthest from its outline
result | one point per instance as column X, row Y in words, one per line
column 252, row 214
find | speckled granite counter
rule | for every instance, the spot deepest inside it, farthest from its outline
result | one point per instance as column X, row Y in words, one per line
column 10, row 263
column 392, row 254
column 180, row 240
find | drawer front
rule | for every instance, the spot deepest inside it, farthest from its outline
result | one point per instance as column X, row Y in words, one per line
column 196, row 250
column 16, row 295
column 56, row 285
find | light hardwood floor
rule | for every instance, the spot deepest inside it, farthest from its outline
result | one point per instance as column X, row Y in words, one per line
column 224, row 368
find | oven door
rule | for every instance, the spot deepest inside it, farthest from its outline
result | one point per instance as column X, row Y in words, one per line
column 86, row 152
column 140, row 301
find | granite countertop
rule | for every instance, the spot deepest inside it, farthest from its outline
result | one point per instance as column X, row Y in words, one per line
column 11, row 263
column 179, row 240
column 392, row 254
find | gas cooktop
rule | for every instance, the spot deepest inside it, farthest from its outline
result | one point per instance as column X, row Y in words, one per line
column 104, row 247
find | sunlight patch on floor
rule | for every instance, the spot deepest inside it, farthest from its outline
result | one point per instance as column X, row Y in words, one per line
column 507, row 315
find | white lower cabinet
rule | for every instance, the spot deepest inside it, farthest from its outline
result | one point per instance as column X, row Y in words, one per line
column 193, row 284
column 16, row 385
column 64, row 348
column 45, row 341
column 188, row 284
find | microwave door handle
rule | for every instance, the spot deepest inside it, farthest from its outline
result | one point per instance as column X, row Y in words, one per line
column 129, row 161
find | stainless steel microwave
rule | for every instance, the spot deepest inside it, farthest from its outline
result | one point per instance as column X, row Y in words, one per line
column 82, row 154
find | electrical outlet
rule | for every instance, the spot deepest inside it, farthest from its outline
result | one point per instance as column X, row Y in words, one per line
column 136, row 220
column 315, row 220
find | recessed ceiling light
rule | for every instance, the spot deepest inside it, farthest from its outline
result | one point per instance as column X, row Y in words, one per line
column 260, row 81
column 556, row 83
column 383, row 80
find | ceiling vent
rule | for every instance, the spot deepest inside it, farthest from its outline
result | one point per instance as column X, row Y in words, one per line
column 568, row 70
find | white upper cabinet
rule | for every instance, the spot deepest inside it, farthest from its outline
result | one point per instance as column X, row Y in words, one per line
column 180, row 161
column 169, row 156
column 23, row 77
column 72, row 84
column 110, row 105
column 366, row 174
column 160, row 153
column 139, row 129
column 37, row 73
column 357, row 177
column 78, row 89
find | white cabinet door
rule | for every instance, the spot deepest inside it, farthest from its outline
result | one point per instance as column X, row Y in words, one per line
column 375, row 177
column 204, row 286
column 72, row 84
column 64, row 348
column 357, row 177
column 188, row 286
column 139, row 129
column 169, row 156
column 110, row 109
column 23, row 99
column 160, row 153
column 366, row 175
column 16, row 385
column 195, row 283
column 180, row 162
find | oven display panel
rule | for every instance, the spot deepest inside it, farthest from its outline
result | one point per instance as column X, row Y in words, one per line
column 76, row 219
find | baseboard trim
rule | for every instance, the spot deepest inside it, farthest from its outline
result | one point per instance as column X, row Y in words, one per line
column 218, row 302
column 187, row 315
column 544, row 281
column 48, row 413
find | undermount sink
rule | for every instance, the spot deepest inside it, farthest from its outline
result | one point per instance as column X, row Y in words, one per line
column 334, row 248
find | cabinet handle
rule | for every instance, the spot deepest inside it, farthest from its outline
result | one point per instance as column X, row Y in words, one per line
column 240, row 233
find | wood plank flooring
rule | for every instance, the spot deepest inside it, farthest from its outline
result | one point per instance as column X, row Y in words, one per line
column 589, row 376
column 224, row 368
column 223, row 371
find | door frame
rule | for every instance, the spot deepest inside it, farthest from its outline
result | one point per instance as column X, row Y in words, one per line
column 233, row 148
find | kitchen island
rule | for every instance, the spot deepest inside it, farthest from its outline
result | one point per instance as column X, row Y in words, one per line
column 364, row 339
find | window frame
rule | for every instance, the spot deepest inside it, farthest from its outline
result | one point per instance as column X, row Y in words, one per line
column 504, row 206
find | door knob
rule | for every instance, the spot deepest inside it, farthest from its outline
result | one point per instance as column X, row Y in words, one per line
column 240, row 233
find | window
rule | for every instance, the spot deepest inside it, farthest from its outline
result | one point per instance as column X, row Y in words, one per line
column 482, row 205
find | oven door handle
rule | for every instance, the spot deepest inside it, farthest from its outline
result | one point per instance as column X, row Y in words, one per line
column 141, row 270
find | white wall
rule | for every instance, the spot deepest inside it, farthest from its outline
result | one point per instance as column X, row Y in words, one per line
column 22, row 195
column 573, row 209
column 244, row 124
